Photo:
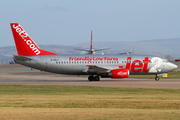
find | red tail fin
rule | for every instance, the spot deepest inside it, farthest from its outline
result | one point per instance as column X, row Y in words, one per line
column 24, row 44
column 91, row 41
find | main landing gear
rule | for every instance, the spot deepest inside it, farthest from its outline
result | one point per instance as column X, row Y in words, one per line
column 92, row 78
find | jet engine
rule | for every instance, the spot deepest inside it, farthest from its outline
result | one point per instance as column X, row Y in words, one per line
column 119, row 73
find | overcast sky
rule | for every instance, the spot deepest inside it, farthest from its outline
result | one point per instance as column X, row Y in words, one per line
column 69, row 22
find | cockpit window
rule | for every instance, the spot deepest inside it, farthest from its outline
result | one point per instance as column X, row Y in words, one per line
column 165, row 60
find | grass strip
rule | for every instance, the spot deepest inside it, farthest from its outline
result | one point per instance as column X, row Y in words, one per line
column 87, row 102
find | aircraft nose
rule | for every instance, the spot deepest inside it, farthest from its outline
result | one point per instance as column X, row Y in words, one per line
column 173, row 66
column 168, row 67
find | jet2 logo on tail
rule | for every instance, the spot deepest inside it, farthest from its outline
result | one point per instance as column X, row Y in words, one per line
column 25, row 36
column 20, row 31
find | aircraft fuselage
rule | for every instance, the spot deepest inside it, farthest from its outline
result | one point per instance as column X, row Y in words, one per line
column 78, row 64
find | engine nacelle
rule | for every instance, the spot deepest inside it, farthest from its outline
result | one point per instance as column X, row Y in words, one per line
column 119, row 73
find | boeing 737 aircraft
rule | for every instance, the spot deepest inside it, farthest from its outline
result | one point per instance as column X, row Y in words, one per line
column 96, row 66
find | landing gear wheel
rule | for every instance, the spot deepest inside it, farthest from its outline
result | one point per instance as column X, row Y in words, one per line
column 96, row 78
column 157, row 78
column 90, row 78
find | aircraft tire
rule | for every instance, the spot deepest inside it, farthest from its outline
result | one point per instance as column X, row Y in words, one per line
column 157, row 78
column 90, row 78
column 96, row 78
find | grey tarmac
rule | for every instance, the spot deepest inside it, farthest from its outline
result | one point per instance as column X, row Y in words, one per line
column 36, row 77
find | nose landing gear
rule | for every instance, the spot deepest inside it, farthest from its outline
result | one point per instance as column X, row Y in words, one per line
column 92, row 78
column 157, row 78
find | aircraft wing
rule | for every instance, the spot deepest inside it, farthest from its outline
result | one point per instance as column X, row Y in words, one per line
column 22, row 58
column 98, row 69
column 81, row 49
column 102, row 49
column 91, row 50
column 127, row 52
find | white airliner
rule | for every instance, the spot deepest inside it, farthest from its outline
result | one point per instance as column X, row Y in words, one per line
column 96, row 66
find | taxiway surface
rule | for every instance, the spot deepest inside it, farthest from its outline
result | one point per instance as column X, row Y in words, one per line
column 35, row 77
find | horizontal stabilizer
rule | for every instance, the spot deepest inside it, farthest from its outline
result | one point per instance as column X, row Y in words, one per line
column 127, row 52
column 22, row 58
column 91, row 51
